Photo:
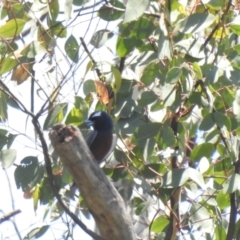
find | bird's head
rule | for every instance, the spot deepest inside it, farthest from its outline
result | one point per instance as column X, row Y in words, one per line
column 100, row 121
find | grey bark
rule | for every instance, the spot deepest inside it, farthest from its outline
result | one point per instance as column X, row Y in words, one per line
column 103, row 200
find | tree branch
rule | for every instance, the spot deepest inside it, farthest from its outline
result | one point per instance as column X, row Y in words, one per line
column 52, row 184
column 103, row 200
column 9, row 215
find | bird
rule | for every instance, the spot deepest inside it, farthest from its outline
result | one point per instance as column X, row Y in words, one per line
column 102, row 140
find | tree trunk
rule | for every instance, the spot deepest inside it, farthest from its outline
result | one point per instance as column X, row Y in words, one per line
column 103, row 200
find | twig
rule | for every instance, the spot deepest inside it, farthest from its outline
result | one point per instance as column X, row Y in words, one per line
column 9, row 215
column 92, row 59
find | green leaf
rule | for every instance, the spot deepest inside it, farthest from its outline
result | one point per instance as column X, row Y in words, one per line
column 235, row 26
column 35, row 196
column 146, row 131
column 219, row 177
column 174, row 75
column 53, row 9
column 18, row 11
column 147, row 98
column 68, row 9
column 192, row 47
column 220, row 232
column 117, row 78
column 56, row 115
column 32, row 49
column 135, row 9
column 149, row 170
column 150, row 72
column 197, row 213
column 202, row 150
column 72, row 48
column 166, row 137
column 4, row 12
column 11, row 138
column 100, row 37
column 232, row 183
column 197, row 177
column 178, row 177
column 207, row 123
column 79, row 2
column 221, row 150
column 175, row 178
column 36, row 232
column 7, row 157
column 140, row 29
column 148, row 148
column 3, row 138
column 196, row 98
column 159, row 224
column 89, row 87
column 3, row 49
column 124, row 106
column 111, row 14
column 211, row 73
column 164, row 43
column 128, row 125
column 28, row 173
column 126, row 87
column 74, row 117
column 3, row 107
column 222, row 120
column 196, row 22
column 215, row 5
column 223, row 200
column 142, row 207
column 12, row 28
column 89, row 67
column 79, row 112
column 45, row 37
column 58, row 29
column 8, row 64
column 203, row 165
column 197, row 70
column 125, row 46
column 45, row 192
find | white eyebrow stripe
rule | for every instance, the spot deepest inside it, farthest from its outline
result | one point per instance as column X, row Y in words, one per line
column 97, row 114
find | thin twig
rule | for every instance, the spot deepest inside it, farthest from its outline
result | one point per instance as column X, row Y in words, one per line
column 90, row 56
column 9, row 215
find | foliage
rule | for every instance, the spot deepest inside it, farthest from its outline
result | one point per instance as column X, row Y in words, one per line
column 170, row 90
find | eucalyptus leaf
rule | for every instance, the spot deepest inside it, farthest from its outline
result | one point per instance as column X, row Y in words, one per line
column 232, row 183
column 100, row 38
column 135, row 9
column 195, row 23
column 72, row 48
column 7, row 157
column 56, row 115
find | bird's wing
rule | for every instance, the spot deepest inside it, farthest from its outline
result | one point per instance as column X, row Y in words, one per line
column 114, row 143
column 91, row 137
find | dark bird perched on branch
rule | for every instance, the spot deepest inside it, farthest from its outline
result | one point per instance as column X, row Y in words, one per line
column 101, row 141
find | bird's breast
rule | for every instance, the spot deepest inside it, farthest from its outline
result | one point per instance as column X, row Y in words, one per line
column 101, row 145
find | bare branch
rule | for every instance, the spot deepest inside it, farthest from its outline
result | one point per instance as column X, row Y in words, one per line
column 9, row 215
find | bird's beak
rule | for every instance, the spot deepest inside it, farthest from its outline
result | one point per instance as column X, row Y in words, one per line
column 89, row 123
